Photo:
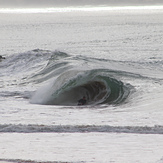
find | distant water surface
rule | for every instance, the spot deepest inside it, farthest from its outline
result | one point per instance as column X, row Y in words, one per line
column 54, row 57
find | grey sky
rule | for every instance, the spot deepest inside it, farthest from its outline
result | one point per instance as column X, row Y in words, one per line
column 64, row 3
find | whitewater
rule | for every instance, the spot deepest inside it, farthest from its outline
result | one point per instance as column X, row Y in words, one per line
column 54, row 57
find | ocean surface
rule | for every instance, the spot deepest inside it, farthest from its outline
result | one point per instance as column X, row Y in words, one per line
column 54, row 57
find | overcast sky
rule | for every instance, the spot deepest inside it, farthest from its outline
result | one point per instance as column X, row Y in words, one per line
column 66, row 3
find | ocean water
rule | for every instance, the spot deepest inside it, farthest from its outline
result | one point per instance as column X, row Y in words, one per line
column 54, row 57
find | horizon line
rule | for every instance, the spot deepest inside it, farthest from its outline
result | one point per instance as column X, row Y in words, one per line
column 77, row 8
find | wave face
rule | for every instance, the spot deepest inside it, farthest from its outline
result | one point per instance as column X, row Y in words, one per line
column 68, row 83
column 94, row 85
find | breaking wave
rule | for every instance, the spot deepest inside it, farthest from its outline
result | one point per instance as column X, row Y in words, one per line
column 64, row 79
column 94, row 85
column 68, row 84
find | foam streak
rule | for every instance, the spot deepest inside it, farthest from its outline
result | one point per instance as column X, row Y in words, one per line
column 8, row 128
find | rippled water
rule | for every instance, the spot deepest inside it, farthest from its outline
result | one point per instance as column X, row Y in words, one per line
column 113, row 57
